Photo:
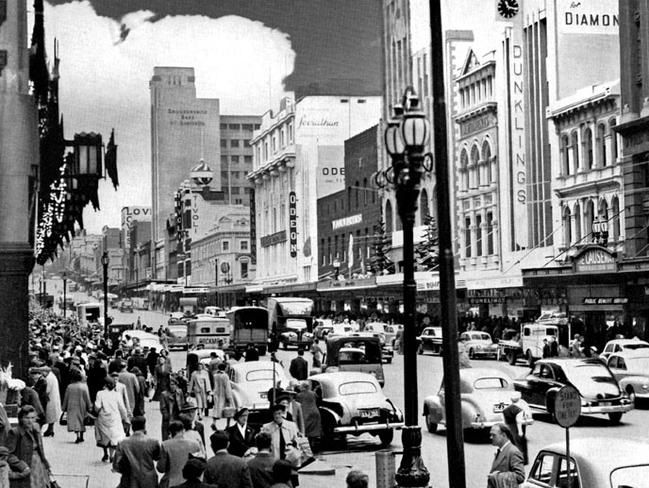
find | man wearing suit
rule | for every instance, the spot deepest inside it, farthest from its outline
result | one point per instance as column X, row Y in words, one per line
column 292, row 410
column 135, row 456
column 171, row 402
column 261, row 466
column 174, row 455
column 192, row 473
column 282, row 432
column 241, row 436
column 224, row 469
column 507, row 465
column 299, row 367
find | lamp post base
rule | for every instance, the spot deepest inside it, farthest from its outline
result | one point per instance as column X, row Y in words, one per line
column 412, row 472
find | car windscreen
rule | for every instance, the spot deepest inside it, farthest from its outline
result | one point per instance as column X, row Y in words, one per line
column 481, row 337
column 491, row 383
column 592, row 379
column 630, row 476
column 371, row 350
column 178, row 330
column 296, row 323
column 296, row 308
column 357, row 388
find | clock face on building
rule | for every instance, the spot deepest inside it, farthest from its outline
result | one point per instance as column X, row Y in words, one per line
column 508, row 8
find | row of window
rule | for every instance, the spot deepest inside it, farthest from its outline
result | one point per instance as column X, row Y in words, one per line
column 245, row 127
column 207, row 274
column 234, row 174
column 235, row 143
column 236, row 159
column 478, row 238
column 478, row 92
column 578, row 225
column 357, row 196
column 479, row 170
column 337, row 249
column 274, row 141
column 581, row 150
column 225, row 245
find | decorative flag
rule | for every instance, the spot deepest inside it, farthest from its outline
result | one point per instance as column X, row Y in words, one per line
column 350, row 254
column 110, row 160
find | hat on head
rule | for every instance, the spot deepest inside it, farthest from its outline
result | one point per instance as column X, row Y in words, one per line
column 240, row 412
column 284, row 395
column 277, row 408
column 188, row 407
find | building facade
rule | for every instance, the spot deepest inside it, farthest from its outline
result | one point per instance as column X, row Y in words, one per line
column 184, row 129
column 298, row 158
column 236, row 156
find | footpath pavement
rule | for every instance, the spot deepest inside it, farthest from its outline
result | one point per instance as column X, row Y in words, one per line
column 80, row 465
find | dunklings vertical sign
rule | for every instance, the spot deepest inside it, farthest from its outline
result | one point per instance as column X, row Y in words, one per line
column 292, row 223
column 253, row 228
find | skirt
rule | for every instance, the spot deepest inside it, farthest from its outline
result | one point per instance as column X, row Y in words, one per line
column 39, row 475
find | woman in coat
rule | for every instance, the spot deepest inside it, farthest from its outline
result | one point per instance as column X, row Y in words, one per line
column 26, row 444
column 162, row 374
column 76, row 403
column 138, row 408
column 222, row 394
column 199, row 385
column 111, row 412
column 53, row 408
column 96, row 375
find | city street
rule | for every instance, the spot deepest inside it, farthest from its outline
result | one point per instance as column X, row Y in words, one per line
column 359, row 451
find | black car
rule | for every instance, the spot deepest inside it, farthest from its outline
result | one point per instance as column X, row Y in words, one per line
column 599, row 391
column 430, row 340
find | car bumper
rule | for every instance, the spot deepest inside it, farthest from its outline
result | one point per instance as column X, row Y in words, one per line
column 479, row 352
column 357, row 428
column 606, row 408
column 643, row 395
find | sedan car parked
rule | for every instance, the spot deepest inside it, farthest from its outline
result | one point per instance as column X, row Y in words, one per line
column 353, row 403
column 631, row 370
column 599, row 462
column 430, row 340
column 619, row 345
column 479, row 344
column 599, row 391
column 484, row 394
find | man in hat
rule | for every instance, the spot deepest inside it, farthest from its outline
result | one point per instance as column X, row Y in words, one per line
column 224, row 469
column 193, row 428
column 282, row 432
column 241, row 436
column 192, row 473
column 299, row 367
column 53, row 408
column 171, row 402
column 137, row 360
column 292, row 409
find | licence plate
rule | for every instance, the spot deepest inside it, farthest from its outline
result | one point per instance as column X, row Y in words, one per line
column 604, row 404
column 499, row 407
column 263, row 395
column 370, row 413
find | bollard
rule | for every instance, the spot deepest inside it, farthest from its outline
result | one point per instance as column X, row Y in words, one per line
column 385, row 468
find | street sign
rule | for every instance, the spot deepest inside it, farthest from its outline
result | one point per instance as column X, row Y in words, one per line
column 567, row 406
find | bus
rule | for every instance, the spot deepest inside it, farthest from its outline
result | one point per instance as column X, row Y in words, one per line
column 208, row 332
column 290, row 321
column 89, row 312
column 248, row 325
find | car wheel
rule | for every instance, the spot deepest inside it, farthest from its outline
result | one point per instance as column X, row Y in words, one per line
column 615, row 417
column 430, row 425
column 511, row 357
column 420, row 349
column 471, row 354
column 386, row 437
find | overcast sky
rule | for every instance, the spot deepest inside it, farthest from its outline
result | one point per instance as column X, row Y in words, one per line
column 247, row 53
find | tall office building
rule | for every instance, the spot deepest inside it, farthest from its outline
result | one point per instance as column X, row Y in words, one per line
column 184, row 130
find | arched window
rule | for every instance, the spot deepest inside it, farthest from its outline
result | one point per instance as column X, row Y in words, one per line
column 486, row 157
column 357, row 191
column 490, row 233
column 601, row 145
column 565, row 159
column 424, row 210
column 613, row 136
column 567, row 230
column 588, row 148
column 389, row 219
column 475, row 168
column 614, row 223
column 464, row 170
column 467, row 237
column 574, row 142
column 577, row 232
column 590, row 216
column 603, row 210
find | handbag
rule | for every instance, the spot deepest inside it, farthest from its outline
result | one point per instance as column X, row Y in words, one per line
column 306, row 454
column 210, row 401
column 63, row 420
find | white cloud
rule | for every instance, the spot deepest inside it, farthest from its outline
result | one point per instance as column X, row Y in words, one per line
column 105, row 82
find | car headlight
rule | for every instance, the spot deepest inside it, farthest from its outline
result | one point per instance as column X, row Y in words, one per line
column 645, row 387
column 478, row 346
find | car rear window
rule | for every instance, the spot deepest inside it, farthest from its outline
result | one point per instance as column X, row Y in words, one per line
column 357, row 388
column 636, row 346
column 260, row 375
column 490, row 383
column 631, row 476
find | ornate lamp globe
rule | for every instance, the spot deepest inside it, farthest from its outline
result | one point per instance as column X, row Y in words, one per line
column 202, row 175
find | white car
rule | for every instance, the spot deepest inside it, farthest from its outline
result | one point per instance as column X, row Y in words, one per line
column 251, row 381
column 619, row 345
column 479, row 344
column 145, row 339
column 631, row 370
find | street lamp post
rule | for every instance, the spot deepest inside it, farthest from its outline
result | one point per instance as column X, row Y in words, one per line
column 405, row 139
column 65, row 289
column 104, row 263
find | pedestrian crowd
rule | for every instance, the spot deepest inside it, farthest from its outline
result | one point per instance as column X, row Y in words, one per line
column 80, row 379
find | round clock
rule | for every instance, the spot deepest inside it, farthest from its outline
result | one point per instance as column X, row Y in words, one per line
column 508, row 8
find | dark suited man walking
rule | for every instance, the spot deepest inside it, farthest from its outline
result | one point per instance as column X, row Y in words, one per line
column 507, row 468
column 299, row 367
column 135, row 456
